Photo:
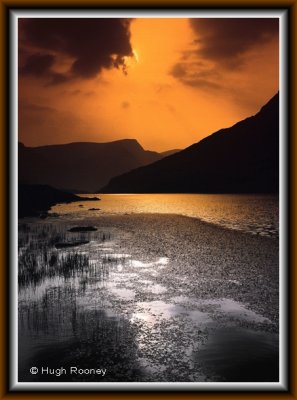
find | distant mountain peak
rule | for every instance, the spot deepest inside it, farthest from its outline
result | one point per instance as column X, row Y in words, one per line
column 81, row 166
column 239, row 159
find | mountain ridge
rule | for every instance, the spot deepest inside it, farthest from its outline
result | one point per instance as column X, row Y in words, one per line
column 81, row 166
column 241, row 159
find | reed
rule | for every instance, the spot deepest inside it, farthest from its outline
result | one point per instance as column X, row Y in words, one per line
column 41, row 256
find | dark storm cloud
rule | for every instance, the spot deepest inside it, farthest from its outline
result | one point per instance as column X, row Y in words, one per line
column 34, row 108
column 91, row 43
column 179, row 71
column 38, row 64
column 196, row 75
column 220, row 44
column 77, row 92
column 227, row 39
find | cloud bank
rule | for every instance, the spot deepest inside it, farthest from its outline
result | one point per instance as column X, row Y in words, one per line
column 221, row 44
column 61, row 49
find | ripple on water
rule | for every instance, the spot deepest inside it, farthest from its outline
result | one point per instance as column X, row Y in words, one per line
column 152, row 287
column 124, row 294
column 236, row 310
column 162, row 261
column 228, row 307
column 157, row 289
column 155, row 310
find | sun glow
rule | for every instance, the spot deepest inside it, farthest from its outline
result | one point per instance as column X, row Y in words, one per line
column 160, row 73
column 136, row 56
column 133, row 60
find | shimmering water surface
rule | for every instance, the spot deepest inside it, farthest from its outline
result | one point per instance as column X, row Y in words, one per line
column 146, row 309
column 256, row 214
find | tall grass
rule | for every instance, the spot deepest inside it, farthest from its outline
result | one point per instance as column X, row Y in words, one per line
column 59, row 312
column 39, row 259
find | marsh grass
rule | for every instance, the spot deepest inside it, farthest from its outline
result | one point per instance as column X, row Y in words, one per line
column 55, row 318
column 41, row 257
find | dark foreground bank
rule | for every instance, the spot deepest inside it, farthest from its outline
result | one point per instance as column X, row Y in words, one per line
column 36, row 200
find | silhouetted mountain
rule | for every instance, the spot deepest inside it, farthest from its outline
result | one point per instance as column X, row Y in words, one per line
column 81, row 167
column 169, row 152
column 35, row 200
column 239, row 159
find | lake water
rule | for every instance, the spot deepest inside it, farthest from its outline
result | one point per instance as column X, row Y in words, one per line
column 145, row 304
column 255, row 214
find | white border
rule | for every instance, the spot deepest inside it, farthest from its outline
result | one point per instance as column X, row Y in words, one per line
column 282, row 385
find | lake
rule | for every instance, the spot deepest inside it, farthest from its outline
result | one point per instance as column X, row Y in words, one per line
column 255, row 214
column 134, row 288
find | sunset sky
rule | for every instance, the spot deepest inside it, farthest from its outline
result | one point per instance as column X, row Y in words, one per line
column 167, row 82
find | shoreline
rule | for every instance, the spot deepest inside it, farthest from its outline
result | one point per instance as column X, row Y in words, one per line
column 53, row 214
column 189, row 295
column 256, row 215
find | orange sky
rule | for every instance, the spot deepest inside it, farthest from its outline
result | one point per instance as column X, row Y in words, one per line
column 184, row 80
